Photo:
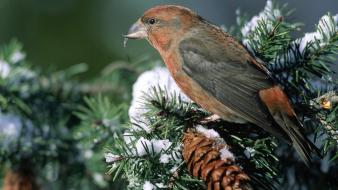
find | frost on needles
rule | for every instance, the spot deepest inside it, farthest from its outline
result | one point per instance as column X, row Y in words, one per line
column 302, row 66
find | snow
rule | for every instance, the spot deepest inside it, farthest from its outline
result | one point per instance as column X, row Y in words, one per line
column 308, row 37
column 148, row 186
column 209, row 133
column 161, row 185
column 10, row 126
column 268, row 5
column 165, row 158
column 322, row 23
column 335, row 18
column 313, row 36
column 4, row 69
column 142, row 124
column 17, row 56
column 226, row 154
column 128, row 137
column 153, row 146
column 88, row 154
column 109, row 122
column 251, row 25
column 249, row 152
column 133, row 181
column 268, row 13
column 157, row 77
column 98, row 178
column 174, row 169
column 177, row 152
column 111, row 157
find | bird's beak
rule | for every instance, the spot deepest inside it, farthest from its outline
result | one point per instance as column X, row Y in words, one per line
column 136, row 31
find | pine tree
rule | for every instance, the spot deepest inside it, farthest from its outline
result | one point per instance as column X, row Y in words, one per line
column 301, row 66
column 59, row 133
column 38, row 143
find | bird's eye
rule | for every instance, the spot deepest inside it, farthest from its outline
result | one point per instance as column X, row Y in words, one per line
column 152, row 21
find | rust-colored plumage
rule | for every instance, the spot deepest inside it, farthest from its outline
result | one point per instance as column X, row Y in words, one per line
column 219, row 74
column 204, row 161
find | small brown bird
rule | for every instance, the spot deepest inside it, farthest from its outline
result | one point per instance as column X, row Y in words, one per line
column 218, row 73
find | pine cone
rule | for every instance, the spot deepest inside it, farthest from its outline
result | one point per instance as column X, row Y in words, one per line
column 204, row 161
column 19, row 180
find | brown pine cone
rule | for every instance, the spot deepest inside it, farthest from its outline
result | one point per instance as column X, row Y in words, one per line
column 204, row 160
column 19, row 180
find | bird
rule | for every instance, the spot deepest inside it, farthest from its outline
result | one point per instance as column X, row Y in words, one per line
column 219, row 74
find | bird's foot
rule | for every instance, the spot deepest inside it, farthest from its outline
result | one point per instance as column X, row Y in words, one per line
column 209, row 119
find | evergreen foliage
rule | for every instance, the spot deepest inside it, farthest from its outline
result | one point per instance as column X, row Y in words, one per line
column 64, row 130
column 302, row 67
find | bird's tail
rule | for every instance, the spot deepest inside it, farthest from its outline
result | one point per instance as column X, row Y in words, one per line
column 301, row 143
column 283, row 114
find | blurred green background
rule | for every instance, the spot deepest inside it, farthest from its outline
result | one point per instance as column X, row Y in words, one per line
column 59, row 33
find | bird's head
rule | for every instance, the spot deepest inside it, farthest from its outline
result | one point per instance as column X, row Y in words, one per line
column 162, row 26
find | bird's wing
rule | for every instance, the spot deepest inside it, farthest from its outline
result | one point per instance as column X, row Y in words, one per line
column 233, row 82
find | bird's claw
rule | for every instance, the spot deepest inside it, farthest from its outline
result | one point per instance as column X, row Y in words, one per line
column 209, row 119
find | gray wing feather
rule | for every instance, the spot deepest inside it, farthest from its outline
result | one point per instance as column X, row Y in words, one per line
column 231, row 82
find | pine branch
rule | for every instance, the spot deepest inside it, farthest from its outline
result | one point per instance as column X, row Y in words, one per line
column 313, row 54
column 269, row 32
column 168, row 116
column 37, row 119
